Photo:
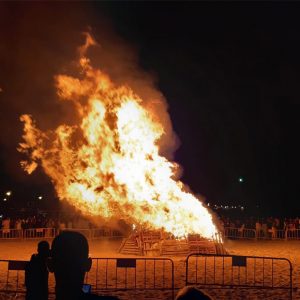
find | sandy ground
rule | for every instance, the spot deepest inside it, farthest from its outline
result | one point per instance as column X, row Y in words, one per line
column 22, row 250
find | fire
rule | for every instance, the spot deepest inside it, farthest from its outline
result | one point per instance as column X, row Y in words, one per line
column 109, row 164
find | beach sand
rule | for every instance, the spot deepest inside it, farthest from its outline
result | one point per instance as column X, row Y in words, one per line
column 22, row 250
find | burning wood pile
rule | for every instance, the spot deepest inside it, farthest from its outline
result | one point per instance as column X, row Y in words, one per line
column 159, row 243
column 109, row 164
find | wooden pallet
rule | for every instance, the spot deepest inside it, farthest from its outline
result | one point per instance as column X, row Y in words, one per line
column 174, row 248
column 151, row 243
column 131, row 246
column 205, row 247
column 201, row 245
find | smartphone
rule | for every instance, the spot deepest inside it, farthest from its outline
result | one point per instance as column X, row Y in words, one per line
column 86, row 288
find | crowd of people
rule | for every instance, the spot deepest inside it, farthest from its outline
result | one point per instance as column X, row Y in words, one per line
column 268, row 223
column 43, row 226
column 270, row 227
column 253, row 223
column 43, row 221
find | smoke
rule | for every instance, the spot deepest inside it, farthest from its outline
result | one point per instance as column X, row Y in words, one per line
column 40, row 41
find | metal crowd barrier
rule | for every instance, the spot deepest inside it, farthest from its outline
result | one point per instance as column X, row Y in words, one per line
column 11, row 233
column 36, row 233
column 50, row 233
column 293, row 234
column 237, row 233
column 246, row 233
column 100, row 233
column 280, row 234
column 135, row 275
column 214, row 272
column 104, row 232
column 12, row 276
column 97, row 233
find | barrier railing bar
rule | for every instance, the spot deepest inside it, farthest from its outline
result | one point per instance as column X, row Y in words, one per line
column 236, row 280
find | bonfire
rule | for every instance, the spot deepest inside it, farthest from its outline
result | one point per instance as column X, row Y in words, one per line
column 109, row 163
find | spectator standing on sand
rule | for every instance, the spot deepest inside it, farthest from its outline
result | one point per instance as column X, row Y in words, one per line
column 62, row 226
column 264, row 228
column 18, row 224
column 36, row 274
column 274, row 230
column 241, row 230
column 6, row 227
column 69, row 263
column 6, row 224
column 258, row 228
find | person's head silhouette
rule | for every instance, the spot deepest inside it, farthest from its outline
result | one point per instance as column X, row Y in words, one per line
column 43, row 249
column 69, row 262
column 192, row 293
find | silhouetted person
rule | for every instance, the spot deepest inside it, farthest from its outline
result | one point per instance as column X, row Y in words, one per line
column 36, row 274
column 192, row 293
column 70, row 262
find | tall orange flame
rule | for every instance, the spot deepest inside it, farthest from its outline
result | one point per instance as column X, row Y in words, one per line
column 109, row 164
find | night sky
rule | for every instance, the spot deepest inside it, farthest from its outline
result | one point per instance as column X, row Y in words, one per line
column 230, row 73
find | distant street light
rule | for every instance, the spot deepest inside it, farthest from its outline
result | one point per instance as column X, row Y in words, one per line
column 8, row 193
column 40, row 197
column 4, row 199
column 241, row 179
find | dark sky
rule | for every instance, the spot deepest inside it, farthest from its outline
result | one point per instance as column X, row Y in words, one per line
column 229, row 72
